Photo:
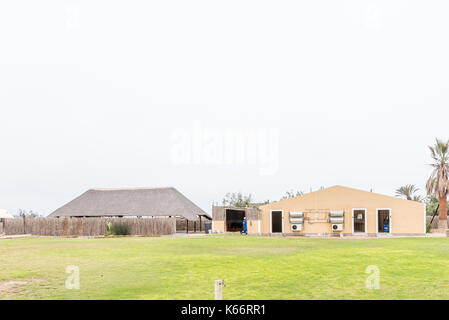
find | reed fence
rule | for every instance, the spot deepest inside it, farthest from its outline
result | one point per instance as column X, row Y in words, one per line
column 434, row 222
column 86, row 226
column 193, row 226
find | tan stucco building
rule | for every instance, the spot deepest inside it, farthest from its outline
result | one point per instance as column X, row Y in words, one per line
column 334, row 211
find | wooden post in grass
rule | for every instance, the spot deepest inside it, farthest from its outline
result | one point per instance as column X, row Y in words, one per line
column 219, row 289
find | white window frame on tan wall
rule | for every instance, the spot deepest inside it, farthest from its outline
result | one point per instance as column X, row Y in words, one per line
column 352, row 220
column 390, row 218
column 271, row 218
column 425, row 219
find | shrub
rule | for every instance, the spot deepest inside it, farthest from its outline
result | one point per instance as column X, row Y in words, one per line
column 120, row 229
column 108, row 228
column 428, row 227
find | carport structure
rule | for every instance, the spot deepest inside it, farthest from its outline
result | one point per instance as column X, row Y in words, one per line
column 230, row 219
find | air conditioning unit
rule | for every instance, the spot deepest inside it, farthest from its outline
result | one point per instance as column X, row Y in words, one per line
column 296, row 220
column 296, row 227
column 337, row 227
column 297, row 214
column 336, row 214
column 336, row 220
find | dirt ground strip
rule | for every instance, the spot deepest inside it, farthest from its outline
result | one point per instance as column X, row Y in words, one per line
column 8, row 288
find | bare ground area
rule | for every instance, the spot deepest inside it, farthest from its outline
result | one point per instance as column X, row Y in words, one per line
column 12, row 287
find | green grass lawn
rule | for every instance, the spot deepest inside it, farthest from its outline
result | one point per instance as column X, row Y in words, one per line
column 252, row 267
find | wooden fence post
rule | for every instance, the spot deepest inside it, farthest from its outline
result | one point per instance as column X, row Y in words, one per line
column 219, row 289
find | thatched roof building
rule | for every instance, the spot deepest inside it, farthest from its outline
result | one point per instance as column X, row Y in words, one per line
column 4, row 214
column 132, row 202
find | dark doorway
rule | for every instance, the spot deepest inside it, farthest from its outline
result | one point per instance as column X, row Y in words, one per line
column 359, row 220
column 383, row 221
column 276, row 221
column 234, row 220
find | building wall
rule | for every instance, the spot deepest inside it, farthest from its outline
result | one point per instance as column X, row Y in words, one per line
column 253, row 226
column 218, row 226
column 408, row 217
column 219, row 215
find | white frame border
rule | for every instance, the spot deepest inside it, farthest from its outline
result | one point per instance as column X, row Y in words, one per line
column 390, row 217
column 425, row 219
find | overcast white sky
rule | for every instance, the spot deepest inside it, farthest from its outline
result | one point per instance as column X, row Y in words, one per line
column 91, row 93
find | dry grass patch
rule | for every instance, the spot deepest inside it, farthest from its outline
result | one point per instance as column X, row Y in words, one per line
column 9, row 288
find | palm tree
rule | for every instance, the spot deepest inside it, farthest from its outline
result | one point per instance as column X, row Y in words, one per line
column 438, row 182
column 408, row 191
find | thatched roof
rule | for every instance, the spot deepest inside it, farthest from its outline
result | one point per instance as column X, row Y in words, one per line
column 130, row 202
column 5, row 214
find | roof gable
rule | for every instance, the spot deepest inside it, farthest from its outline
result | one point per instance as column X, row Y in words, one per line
column 340, row 190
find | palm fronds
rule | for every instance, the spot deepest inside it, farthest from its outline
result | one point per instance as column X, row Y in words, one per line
column 408, row 191
column 438, row 182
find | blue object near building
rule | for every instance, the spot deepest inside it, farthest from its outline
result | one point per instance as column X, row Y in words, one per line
column 245, row 228
column 386, row 227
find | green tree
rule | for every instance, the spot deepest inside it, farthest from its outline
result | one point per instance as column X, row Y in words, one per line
column 237, row 199
column 28, row 214
column 431, row 204
column 291, row 194
column 438, row 182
